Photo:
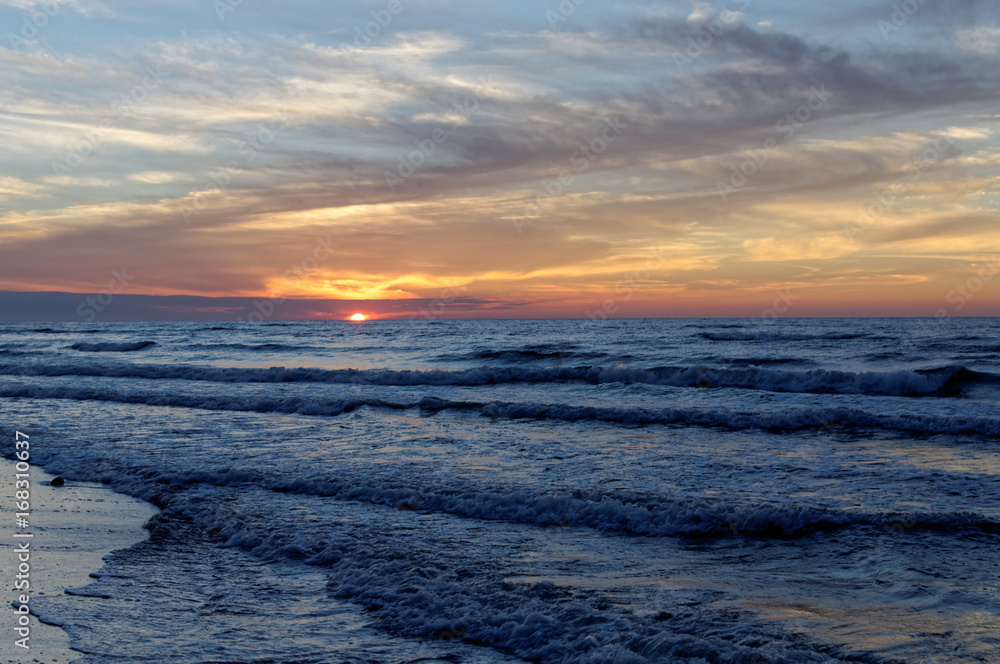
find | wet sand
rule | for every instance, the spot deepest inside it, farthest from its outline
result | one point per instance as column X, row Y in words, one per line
column 74, row 526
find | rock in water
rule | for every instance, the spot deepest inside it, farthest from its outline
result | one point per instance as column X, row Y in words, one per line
column 57, row 481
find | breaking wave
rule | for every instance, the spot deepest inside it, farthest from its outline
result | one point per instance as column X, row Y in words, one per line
column 939, row 381
column 789, row 418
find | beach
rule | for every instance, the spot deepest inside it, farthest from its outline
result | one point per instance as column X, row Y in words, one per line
column 73, row 526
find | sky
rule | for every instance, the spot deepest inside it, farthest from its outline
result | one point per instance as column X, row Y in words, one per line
column 209, row 159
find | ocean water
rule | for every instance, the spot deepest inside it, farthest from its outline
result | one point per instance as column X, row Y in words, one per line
column 724, row 491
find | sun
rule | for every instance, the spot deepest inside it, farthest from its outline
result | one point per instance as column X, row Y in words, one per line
column 358, row 317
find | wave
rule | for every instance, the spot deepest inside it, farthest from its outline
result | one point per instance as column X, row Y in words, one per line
column 787, row 419
column 624, row 514
column 257, row 347
column 411, row 591
column 757, row 335
column 754, row 361
column 791, row 418
column 416, row 590
column 112, row 347
column 518, row 356
column 939, row 381
column 886, row 356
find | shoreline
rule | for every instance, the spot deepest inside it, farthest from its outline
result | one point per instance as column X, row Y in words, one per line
column 75, row 526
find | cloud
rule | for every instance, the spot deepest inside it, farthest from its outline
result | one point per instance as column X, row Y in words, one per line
column 799, row 249
column 156, row 177
column 70, row 181
column 54, row 7
column 11, row 187
column 473, row 154
column 981, row 39
column 54, row 306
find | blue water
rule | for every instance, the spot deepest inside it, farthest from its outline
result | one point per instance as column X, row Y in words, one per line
column 552, row 491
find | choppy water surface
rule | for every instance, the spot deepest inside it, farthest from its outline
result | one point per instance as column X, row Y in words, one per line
column 553, row 491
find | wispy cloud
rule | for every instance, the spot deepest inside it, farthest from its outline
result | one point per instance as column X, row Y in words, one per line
column 486, row 117
column 84, row 7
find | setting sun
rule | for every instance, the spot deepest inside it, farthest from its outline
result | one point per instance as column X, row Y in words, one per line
column 358, row 317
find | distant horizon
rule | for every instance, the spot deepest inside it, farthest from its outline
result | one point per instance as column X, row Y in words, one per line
column 81, row 307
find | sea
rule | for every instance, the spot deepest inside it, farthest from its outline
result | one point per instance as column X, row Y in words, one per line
column 552, row 491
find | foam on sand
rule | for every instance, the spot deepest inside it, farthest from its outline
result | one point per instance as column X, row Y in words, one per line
column 74, row 527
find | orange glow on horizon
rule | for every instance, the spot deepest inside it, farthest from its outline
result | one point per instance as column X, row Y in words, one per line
column 358, row 317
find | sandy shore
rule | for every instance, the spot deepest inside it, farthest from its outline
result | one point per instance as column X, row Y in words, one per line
column 74, row 527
